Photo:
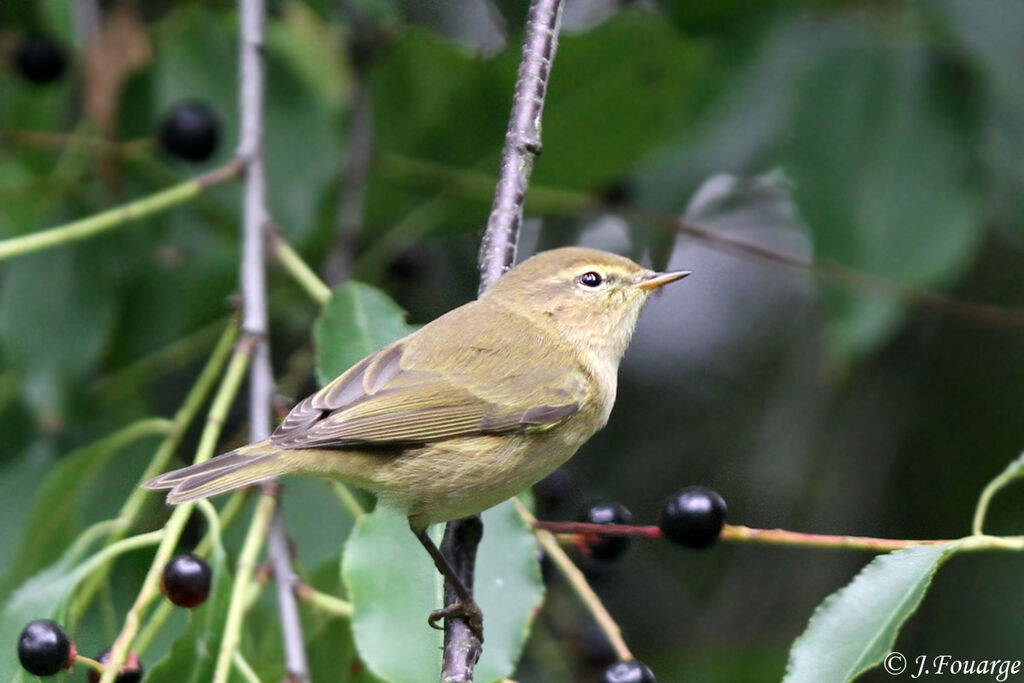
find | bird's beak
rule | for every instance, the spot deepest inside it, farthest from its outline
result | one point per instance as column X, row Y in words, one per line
column 657, row 280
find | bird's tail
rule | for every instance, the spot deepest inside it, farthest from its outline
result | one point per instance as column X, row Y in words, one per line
column 242, row 467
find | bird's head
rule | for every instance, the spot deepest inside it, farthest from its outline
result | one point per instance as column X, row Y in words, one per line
column 590, row 298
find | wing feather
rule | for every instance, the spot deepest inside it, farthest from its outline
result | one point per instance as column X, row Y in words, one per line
column 399, row 395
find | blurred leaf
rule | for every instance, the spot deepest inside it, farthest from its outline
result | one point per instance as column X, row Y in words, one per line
column 54, row 519
column 855, row 628
column 333, row 655
column 358, row 320
column 989, row 34
column 55, row 313
column 615, row 92
column 883, row 177
column 193, row 655
column 394, row 586
column 747, row 116
column 306, row 503
column 19, row 480
column 313, row 49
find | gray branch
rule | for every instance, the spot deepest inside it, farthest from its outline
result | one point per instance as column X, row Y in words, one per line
column 522, row 141
column 256, row 218
column 497, row 254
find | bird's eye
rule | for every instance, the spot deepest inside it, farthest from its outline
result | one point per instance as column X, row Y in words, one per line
column 590, row 279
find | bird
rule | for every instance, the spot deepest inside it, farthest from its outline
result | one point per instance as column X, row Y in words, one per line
column 468, row 410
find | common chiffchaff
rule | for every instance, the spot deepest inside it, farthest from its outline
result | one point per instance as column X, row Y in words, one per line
column 470, row 409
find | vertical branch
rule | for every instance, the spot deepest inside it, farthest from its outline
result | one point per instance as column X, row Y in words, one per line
column 497, row 253
column 256, row 219
column 522, row 141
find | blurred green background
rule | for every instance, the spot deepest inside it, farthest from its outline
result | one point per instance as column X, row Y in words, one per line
column 886, row 137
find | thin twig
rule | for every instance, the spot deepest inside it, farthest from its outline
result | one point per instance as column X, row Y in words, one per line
column 116, row 217
column 579, row 584
column 732, row 532
column 176, row 524
column 497, row 254
column 300, row 271
column 256, row 220
column 522, row 141
column 844, row 276
column 328, row 603
column 243, row 576
column 475, row 185
column 159, row 616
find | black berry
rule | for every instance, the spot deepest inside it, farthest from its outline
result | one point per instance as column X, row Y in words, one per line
column 131, row 672
column 186, row 580
column 607, row 548
column 629, row 671
column 40, row 59
column 191, row 131
column 557, row 489
column 693, row 517
column 44, row 648
column 594, row 646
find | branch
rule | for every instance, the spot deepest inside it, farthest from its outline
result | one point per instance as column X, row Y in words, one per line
column 474, row 185
column 522, row 141
column 497, row 253
column 174, row 526
column 118, row 216
column 732, row 532
column 579, row 584
column 256, row 219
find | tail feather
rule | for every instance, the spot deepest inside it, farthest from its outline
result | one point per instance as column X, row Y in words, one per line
column 243, row 467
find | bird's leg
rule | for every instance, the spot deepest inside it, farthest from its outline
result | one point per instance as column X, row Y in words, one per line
column 466, row 607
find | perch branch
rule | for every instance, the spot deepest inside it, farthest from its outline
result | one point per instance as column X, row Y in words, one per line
column 497, row 253
column 522, row 141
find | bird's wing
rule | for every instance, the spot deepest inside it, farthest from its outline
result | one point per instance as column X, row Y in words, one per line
column 398, row 396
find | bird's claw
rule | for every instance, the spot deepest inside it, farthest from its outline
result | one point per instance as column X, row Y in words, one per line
column 465, row 609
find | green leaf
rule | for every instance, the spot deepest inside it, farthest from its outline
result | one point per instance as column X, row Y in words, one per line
column 54, row 518
column 609, row 103
column 358, row 320
column 193, row 655
column 615, row 92
column 855, row 628
column 394, row 586
column 882, row 166
column 55, row 314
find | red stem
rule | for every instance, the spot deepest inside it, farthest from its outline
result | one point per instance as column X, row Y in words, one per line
column 732, row 532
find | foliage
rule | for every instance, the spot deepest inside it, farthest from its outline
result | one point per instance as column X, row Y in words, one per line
column 893, row 138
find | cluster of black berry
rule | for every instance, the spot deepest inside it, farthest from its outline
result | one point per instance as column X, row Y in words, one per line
column 44, row 649
column 190, row 130
column 692, row 517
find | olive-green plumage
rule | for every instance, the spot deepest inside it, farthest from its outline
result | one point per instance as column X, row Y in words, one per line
column 468, row 410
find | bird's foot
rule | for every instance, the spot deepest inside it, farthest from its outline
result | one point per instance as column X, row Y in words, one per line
column 467, row 610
